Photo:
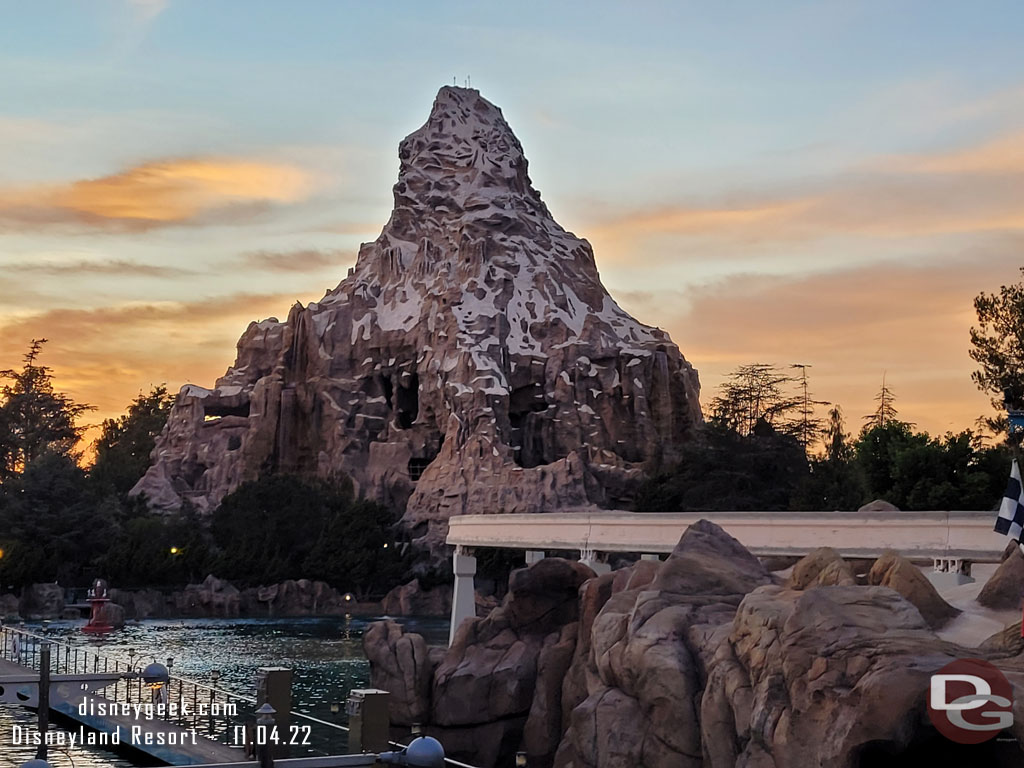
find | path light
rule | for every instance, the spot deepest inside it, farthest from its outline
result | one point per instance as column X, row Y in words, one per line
column 520, row 760
column 175, row 550
column 156, row 674
column 424, row 752
column 335, row 707
column 215, row 675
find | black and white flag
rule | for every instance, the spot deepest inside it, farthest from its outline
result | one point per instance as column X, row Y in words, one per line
column 1011, row 511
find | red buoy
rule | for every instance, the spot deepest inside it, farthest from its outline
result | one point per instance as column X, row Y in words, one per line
column 97, row 599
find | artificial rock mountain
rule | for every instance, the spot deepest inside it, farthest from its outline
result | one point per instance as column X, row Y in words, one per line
column 471, row 362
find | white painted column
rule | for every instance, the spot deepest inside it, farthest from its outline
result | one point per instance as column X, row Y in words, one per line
column 534, row 556
column 464, row 595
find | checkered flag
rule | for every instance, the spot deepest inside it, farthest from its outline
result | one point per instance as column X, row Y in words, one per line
column 1011, row 511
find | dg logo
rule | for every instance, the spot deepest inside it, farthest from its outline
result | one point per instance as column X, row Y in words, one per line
column 970, row 701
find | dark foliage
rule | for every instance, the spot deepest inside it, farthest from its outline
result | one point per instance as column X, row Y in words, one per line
column 725, row 470
column 288, row 527
column 124, row 445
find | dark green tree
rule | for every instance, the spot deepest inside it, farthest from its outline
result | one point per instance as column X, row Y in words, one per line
column 155, row 550
column 997, row 345
column 124, row 444
column 288, row 527
column 834, row 481
column 35, row 418
column 51, row 526
column 724, row 470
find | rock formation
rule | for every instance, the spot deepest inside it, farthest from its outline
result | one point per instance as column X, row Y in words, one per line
column 42, row 601
column 1004, row 589
column 897, row 573
column 471, row 361
column 8, row 606
column 704, row 660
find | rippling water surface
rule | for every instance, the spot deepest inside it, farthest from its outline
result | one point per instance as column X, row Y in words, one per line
column 325, row 653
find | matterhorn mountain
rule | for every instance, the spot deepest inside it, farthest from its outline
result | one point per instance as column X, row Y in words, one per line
column 470, row 362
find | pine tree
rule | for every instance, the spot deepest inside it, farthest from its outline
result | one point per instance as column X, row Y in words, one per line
column 886, row 412
column 807, row 428
column 35, row 418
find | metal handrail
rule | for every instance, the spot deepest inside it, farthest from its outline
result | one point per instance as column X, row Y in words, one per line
column 4, row 628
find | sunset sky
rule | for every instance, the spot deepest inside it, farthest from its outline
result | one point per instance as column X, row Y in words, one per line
column 819, row 183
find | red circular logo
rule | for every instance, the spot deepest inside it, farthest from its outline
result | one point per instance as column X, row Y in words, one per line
column 970, row 701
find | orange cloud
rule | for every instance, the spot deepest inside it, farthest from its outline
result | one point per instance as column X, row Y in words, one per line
column 156, row 194
column 1001, row 155
column 851, row 326
column 976, row 189
column 106, row 356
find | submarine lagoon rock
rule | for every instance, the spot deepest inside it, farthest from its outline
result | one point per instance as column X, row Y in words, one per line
column 471, row 361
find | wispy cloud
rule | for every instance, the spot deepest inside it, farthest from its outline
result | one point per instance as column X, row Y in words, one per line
column 115, row 267
column 156, row 194
column 974, row 189
column 851, row 325
column 303, row 260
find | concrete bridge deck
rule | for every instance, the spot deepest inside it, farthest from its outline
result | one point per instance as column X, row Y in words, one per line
column 952, row 541
column 924, row 535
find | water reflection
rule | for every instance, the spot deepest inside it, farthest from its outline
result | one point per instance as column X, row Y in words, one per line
column 326, row 655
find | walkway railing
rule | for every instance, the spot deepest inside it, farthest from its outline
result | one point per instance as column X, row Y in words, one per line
column 214, row 713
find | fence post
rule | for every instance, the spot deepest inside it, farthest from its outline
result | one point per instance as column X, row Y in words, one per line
column 274, row 687
column 264, row 724
column 44, row 697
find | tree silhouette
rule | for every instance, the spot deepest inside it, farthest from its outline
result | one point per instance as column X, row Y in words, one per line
column 35, row 418
column 754, row 393
column 886, row 412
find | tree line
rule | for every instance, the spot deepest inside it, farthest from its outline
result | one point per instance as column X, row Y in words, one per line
column 763, row 447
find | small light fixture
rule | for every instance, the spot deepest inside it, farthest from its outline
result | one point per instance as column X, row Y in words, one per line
column 175, row 550
column 215, row 675
column 385, row 545
column 520, row 760
column 170, row 662
column 335, row 707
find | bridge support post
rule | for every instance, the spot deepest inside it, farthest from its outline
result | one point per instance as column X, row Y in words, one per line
column 534, row 556
column 464, row 594
column 950, row 572
column 589, row 558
